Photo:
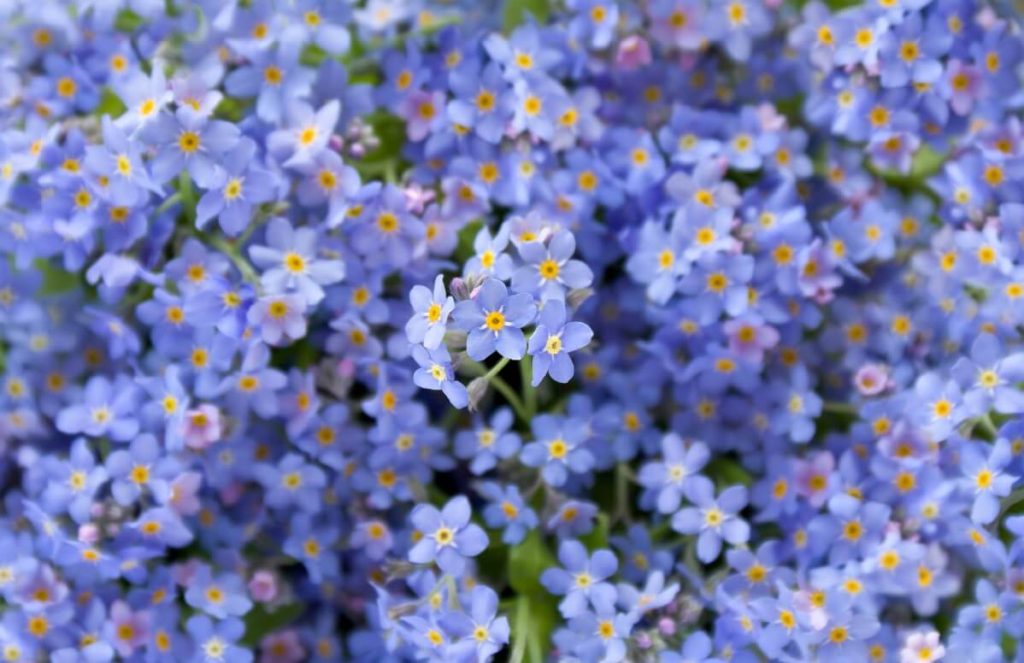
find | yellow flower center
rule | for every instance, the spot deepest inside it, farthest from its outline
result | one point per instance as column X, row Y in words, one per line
column 495, row 321
column 188, row 142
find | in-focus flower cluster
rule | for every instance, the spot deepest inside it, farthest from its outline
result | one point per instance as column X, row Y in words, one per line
column 589, row 331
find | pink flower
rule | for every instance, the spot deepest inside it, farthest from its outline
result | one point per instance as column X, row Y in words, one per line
column 263, row 586
column 184, row 493
column 871, row 379
column 634, row 52
column 128, row 629
column 202, row 426
column 922, row 648
column 88, row 533
column 282, row 647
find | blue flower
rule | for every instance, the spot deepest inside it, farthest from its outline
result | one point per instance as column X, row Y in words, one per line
column 553, row 340
column 988, row 377
column 558, row 449
column 73, row 483
column 306, row 135
column 493, row 319
column 581, row 579
column 280, row 319
column 449, row 538
column 107, row 409
column 480, row 624
column 188, row 141
column 549, row 270
column 482, row 101
column 435, row 372
column 218, row 641
column 573, row 518
column 313, row 545
column 986, row 479
column 713, row 520
column 237, row 187
column 488, row 443
column 941, row 407
column 508, row 510
column 603, row 634
column 430, row 314
column 219, row 596
column 292, row 482
column 119, row 161
column 291, row 263
column 274, row 77
column 140, row 467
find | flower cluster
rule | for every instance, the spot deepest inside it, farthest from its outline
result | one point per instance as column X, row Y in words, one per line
column 595, row 331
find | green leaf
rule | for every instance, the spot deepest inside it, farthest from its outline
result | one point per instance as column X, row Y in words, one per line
column 535, row 615
column 312, row 56
column 231, row 109
column 110, row 104
column 926, row 163
column 464, row 248
column 725, row 472
column 390, row 131
column 526, row 562
column 532, row 621
column 128, row 21
column 55, row 280
column 259, row 621
column 515, row 11
column 598, row 537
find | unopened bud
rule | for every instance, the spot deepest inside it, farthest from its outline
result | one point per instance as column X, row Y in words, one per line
column 477, row 390
column 400, row 611
column 88, row 533
column 460, row 288
column 395, row 569
column 576, row 297
column 263, row 586
column 455, row 340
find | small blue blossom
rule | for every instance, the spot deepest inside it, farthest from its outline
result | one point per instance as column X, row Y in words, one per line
column 448, row 536
column 493, row 319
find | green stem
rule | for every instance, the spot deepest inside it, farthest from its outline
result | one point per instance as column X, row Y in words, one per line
column 187, row 195
column 1010, row 501
column 521, row 630
column 491, row 376
column 529, row 391
column 231, row 251
column 840, row 408
column 172, row 199
column 453, row 593
column 988, row 426
column 511, row 397
column 622, row 506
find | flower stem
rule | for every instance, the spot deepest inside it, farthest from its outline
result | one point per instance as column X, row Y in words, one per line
column 988, row 426
column 840, row 408
column 521, row 631
column 491, row 376
column 622, row 505
column 529, row 391
column 235, row 256
column 1009, row 502
column 187, row 195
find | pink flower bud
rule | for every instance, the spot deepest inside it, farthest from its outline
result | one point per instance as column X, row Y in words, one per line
column 634, row 52
column 202, row 426
column 263, row 586
column 88, row 533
